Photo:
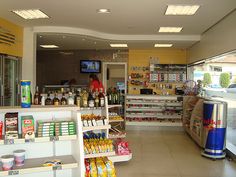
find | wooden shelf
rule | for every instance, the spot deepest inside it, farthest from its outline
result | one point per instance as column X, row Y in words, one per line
column 39, row 140
column 120, row 158
column 87, row 156
column 36, row 165
column 91, row 128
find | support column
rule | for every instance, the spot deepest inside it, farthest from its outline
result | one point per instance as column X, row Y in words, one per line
column 29, row 57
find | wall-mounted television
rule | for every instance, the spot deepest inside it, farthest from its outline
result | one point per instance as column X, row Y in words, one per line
column 90, row 66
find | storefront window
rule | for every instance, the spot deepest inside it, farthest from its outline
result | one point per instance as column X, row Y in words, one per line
column 219, row 77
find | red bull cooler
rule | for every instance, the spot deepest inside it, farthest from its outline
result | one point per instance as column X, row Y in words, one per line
column 214, row 129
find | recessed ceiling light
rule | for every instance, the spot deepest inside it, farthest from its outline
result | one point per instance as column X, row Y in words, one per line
column 30, row 14
column 163, row 45
column 170, row 29
column 40, row 36
column 118, row 45
column 103, row 11
column 49, row 46
column 181, row 9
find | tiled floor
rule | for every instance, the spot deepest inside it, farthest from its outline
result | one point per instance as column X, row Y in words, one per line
column 170, row 154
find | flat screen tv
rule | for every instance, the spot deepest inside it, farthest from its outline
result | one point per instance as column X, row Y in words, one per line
column 90, row 66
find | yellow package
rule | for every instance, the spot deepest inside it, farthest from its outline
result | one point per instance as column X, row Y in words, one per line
column 93, row 168
column 111, row 172
column 101, row 168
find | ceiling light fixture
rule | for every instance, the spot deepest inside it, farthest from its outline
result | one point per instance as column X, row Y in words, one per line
column 49, row 46
column 181, row 9
column 170, row 29
column 30, row 14
column 103, row 11
column 163, row 45
column 118, row 45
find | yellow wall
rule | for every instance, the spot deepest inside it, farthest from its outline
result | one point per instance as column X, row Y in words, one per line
column 140, row 58
column 14, row 49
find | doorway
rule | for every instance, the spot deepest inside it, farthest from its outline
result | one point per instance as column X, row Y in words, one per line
column 115, row 75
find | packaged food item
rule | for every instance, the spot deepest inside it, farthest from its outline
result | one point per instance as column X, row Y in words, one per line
column 93, row 168
column 101, row 168
column 111, row 172
column 1, row 125
column 7, row 162
column 87, row 168
column 19, row 157
column 27, row 127
column 25, row 94
column 11, row 125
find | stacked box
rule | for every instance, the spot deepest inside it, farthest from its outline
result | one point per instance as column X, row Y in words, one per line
column 65, row 128
column 46, row 129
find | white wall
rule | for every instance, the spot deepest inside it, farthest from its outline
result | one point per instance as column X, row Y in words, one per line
column 218, row 40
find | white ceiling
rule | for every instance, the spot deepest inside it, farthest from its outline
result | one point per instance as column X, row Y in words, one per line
column 127, row 17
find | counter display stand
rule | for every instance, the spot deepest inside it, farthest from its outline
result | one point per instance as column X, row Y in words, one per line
column 153, row 110
column 192, row 118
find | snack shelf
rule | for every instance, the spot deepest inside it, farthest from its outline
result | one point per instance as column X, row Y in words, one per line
column 115, row 106
column 151, row 123
column 118, row 120
column 106, row 154
column 39, row 140
column 91, row 128
column 120, row 158
column 155, row 103
column 36, row 165
column 144, row 109
column 154, row 116
column 152, row 97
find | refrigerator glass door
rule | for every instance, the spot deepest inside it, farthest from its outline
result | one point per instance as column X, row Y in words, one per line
column 10, row 81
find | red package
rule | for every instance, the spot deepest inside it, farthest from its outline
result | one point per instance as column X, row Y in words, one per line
column 1, row 125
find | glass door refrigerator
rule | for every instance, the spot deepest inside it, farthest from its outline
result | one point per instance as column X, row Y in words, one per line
column 10, row 73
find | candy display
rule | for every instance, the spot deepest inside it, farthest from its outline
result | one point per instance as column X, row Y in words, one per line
column 99, row 167
column 51, row 128
column 89, row 120
column 11, row 125
column 122, row 147
column 27, row 127
column 97, row 143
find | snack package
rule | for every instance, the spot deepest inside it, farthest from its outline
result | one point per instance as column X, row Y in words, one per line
column 93, row 168
column 111, row 172
column 11, row 125
column 27, row 127
column 101, row 168
column 87, row 168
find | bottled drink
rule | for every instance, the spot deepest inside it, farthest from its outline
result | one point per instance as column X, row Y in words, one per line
column 70, row 99
column 63, row 99
column 36, row 96
column 85, row 99
column 91, row 101
column 56, row 101
column 109, row 94
column 77, row 98
column 96, row 99
column 43, row 100
column 101, row 98
column 48, row 100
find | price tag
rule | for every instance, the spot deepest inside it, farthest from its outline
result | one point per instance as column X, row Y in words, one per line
column 13, row 172
column 29, row 140
column 54, row 138
column 57, row 167
column 9, row 141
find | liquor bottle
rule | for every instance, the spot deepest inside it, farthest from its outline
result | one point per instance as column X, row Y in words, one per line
column 43, row 100
column 77, row 98
column 96, row 99
column 70, row 99
column 36, row 96
column 56, row 101
column 48, row 100
column 63, row 99
column 101, row 98
column 91, row 100
column 85, row 98
column 109, row 94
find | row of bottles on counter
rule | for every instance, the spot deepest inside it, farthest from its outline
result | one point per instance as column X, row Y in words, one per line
column 82, row 98
column 115, row 96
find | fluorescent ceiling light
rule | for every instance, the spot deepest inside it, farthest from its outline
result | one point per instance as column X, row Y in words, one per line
column 118, row 45
column 30, row 14
column 104, row 11
column 170, row 29
column 49, row 46
column 163, row 45
column 181, row 9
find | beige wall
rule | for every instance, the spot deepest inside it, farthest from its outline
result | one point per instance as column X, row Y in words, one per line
column 219, row 39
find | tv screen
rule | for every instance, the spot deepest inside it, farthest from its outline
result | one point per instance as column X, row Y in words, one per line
column 90, row 66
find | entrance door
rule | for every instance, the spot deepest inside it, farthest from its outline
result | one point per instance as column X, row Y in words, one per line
column 115, row 75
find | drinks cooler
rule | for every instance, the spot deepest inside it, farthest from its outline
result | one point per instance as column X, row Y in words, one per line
column 214, row 129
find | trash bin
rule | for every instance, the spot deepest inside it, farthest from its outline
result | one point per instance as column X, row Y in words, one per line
column 214, row 129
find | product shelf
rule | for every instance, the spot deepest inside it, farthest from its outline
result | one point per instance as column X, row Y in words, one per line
column 115, row 106
column 106, row 154
column 118, row 120
column 120, row 158
column 155, row 116
column 151, row 123
column 91, row 128
column 38, row 140
column 112, row 136
column 36, row 165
